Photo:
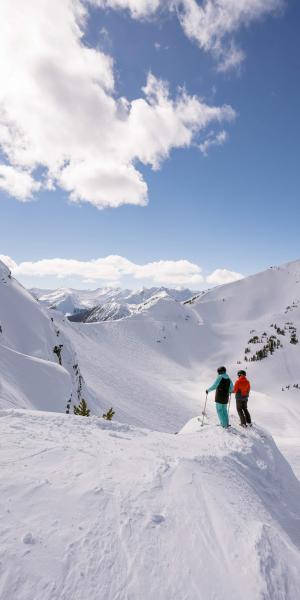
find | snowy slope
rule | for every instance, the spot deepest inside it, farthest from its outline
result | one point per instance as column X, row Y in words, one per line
column 70, row 301
column 30, row 373
column 146, row 366
column 236, row 313
column 155, row 366
column 97, row 510
column 115, row 511
column 111, row 311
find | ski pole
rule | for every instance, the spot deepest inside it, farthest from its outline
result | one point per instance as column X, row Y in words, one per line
column 203, row 412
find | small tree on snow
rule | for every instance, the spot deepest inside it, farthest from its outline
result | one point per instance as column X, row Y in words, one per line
column 294, row 339
column 109, row 415
column 57, row 351
column 82, row 409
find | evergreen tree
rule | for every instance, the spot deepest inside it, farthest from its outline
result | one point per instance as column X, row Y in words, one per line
column 294, row 339
column 109, row 415
column 57, row 351
column 82, row 409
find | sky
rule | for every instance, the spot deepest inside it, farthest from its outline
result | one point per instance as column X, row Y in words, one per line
column 148, row 142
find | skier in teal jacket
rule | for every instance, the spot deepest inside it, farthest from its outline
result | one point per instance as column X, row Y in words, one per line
column 223, row 386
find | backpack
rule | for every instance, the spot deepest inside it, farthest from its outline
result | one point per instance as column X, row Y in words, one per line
column 222, row 391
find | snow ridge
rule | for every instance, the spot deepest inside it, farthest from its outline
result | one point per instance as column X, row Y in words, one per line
column 139, row 514
column 104, row 303
column 36, row 359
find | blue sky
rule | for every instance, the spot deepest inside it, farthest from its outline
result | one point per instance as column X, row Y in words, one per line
column 236, row 208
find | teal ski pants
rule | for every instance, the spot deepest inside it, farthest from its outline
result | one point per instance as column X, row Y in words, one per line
column 222, row 414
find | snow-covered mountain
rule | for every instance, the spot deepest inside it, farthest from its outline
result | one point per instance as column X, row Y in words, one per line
column 154, row 366
column 69, row 301
column 38, row 365
column 115, row 311
column 128, row 510
column 110, row 311
column 111, row 303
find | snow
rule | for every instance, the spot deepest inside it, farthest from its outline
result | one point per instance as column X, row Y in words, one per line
column 153, row 367
column 70, row 301
column 101, row 510
column 109, row 311
column 30, row 376
column 29, row 382
column 142, row 366
column 126, row 510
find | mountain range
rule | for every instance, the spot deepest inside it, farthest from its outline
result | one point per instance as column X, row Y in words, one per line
column 126, row 509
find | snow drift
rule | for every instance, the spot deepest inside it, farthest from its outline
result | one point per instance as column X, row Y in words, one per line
column 103, row 510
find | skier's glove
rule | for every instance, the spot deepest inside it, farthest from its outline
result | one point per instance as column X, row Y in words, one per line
column 206, row 391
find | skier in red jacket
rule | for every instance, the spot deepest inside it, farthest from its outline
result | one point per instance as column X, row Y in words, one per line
column 241, row 391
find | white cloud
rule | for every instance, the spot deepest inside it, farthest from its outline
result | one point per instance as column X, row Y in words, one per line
column 169, row 272
column 104, row 185
column 168, row 123
column 222, row 276
column 59, row 109
column 138, row 8
column 213, row 140
column 110, row 269
column 17, row 182
column 211, row 23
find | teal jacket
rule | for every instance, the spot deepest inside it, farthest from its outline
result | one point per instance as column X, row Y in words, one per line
column 216, row 383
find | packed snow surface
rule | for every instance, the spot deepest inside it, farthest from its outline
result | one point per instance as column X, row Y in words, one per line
column 98, row 510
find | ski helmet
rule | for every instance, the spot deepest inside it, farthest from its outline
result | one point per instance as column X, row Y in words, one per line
column 241, row 373
column 221, row 370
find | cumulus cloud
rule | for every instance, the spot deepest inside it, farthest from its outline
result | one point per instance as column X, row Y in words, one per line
column 210, row 23
column 222, row 276
column 110, row 269
column 60, row 114
column 17, row 182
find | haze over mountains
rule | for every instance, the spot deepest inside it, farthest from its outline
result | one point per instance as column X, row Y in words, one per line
column 126, row 491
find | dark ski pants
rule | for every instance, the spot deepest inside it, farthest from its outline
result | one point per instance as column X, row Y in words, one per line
column 241, row 407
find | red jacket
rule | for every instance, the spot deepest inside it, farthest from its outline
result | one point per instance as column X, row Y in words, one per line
column 242, row 387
